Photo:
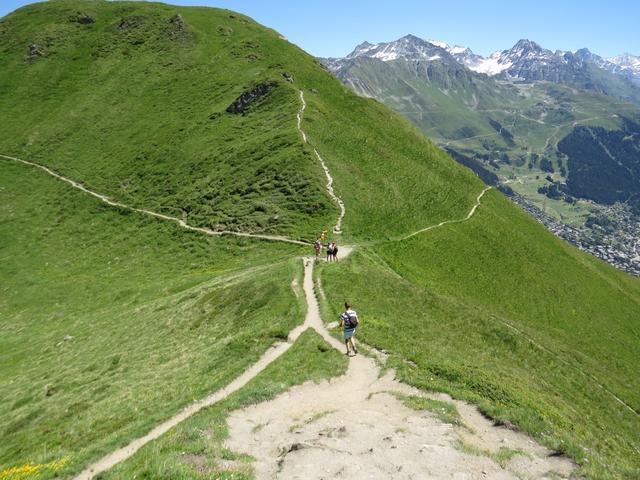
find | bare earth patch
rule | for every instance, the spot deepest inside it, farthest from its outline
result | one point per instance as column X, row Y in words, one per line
column 352, row 427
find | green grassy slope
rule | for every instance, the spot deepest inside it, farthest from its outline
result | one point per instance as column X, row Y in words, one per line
column 392, row 179
column 195, row 449
column 136, row 111
column 133, row 105
column 158, row 316
column 500, row 312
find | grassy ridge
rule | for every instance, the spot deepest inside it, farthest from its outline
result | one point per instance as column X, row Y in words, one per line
column 139, row 114
column 134, row 106
column 445, row 300
column 135, row 109
column 195, row 449
column 158, row 316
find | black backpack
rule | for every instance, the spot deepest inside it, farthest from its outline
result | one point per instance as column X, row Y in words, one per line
column 350, row 321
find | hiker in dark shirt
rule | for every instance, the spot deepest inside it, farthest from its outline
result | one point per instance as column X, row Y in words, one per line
column 349, row 323
column 334, row 251
column 329, row 252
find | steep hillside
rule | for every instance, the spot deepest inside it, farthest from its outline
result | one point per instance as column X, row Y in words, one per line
column 135, row 104
column 114, row 320
column 500, row 312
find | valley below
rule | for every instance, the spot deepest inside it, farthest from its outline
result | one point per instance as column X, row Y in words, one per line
column 617, row 242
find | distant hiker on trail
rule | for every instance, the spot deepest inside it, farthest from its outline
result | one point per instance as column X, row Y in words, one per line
column 349, row 322
column 317, row 246
column 329, row 251
column 334, row 251
column 323, row 235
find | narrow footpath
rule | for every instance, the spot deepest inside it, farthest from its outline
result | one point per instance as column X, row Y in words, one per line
column 353, row 425
column 160, row 216
column 338, row 226
column 447, row 222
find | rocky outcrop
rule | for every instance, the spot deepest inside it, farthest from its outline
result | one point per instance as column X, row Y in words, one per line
column 177, row 26
column 82, row 18
column 129, row 23
column 35, row 51
column 250, row 97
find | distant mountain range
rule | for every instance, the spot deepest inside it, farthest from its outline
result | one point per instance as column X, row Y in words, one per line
column 560, row 129
column 510, row 110
column 526, row 60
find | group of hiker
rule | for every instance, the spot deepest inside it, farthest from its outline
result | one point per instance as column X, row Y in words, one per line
column 348, row 318
column 331, row 247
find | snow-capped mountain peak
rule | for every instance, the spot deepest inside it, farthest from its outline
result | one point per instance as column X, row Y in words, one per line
column 627, row 64
column 526, row 60
column 525, row 47
column 408, row 47
column 463, row 55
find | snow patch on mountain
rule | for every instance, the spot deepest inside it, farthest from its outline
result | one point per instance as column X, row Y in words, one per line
column 493, row 65
column 409, row 47
column 626, row 63
column 526, row 60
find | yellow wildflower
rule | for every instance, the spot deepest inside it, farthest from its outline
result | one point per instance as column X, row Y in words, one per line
column 30, row 470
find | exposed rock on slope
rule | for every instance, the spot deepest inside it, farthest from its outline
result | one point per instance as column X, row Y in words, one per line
column 244, row 101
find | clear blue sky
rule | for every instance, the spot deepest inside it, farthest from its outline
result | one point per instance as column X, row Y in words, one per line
column 332, row 28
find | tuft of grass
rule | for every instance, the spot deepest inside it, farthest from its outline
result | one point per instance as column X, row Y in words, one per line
column 501, row 457
column 316, row 416
column 444, row 411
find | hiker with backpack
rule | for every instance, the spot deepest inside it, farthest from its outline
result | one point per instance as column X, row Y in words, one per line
column 349, row 322
column 317, row 246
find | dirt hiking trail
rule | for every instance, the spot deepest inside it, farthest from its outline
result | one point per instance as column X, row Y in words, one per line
column 160, row 216
column 312, row 320
column 338, row 226
column 447, row 222
column 354, row 427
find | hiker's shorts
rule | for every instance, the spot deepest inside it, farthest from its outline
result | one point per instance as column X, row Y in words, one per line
column 349, row 332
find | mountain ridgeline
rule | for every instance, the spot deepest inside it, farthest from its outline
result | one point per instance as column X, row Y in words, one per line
column 113, row 320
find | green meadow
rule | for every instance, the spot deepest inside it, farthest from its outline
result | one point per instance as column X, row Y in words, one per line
column 112, row 321
column 195, row 449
